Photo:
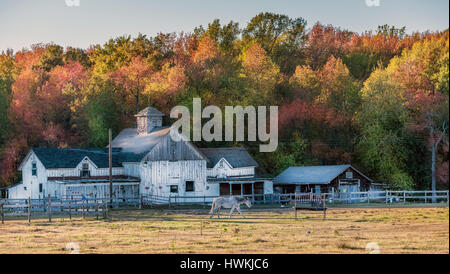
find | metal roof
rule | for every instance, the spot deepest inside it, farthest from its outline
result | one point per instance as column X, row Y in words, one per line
column 149, row 111
column 310, row 174
column 131, row 142
column 235, row 156
column 71, row 157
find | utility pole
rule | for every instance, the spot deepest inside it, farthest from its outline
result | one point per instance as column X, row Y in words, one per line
column 110, row 168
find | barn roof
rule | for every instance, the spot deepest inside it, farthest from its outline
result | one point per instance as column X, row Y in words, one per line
column 149, row 111
column 235, row 156
column 131, row 142
column 310, row 174
column 71, row 157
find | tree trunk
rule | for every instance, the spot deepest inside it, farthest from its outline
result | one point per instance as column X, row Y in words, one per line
column 433, row 172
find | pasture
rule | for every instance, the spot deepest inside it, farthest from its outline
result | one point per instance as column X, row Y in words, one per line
column 346, row 230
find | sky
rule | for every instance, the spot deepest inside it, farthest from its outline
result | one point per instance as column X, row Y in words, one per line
column 27, row 22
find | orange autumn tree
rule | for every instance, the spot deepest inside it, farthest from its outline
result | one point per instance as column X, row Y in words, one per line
column 132, row 78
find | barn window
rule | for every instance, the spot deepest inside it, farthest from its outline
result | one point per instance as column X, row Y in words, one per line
column 85, row 170
column 349, row 175
column 173, row 189
column 189, row 186
column 40, row 188
column 33, row 169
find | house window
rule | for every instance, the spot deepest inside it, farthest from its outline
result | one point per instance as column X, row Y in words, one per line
column 40, row 188
column 349, row 175
column 33, row 169
column 173, row 189
column 189, row 186
column 85, row 170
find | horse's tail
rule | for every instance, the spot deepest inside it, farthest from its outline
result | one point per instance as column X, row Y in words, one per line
column 213, row 205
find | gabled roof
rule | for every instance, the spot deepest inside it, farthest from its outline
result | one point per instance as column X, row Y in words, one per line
column 149, row 111
column 235, row 156
column 310, row 174
column 131, row 142
column 71, row 157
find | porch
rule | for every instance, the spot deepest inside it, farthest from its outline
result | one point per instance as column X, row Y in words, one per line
column 254, row 187
column 94, row 188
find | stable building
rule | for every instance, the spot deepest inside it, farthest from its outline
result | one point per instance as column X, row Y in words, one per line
column 324, row 179
column 145, row 161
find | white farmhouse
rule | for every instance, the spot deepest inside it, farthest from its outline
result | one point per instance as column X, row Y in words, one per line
column 145, row 161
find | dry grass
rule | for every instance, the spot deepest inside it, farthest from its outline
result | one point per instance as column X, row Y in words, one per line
column 400, row 230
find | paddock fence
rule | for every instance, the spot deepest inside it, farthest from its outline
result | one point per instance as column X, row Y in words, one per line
column 276, row 199
column 98, row 206
column 63, row 206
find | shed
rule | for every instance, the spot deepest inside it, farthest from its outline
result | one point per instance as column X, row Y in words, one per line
column 318, row 179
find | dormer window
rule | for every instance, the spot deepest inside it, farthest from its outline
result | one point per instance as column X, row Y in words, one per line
column 33, row 169
column 85, row 172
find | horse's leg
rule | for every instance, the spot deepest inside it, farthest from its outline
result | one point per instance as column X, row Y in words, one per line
column 212, row 212
column 231, row 211
column 239, row 210
column 218, row 212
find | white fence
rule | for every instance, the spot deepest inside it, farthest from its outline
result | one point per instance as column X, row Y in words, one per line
column 99, row 206
column 64, row 206
column 388, row 197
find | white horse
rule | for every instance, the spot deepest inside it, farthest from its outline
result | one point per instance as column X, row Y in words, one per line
column 233, row 202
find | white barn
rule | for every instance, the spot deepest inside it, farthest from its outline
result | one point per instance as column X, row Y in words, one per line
column 145, row 161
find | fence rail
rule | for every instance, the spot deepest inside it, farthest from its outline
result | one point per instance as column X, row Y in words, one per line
column 388, row 197
column 63, row 206
column 75, row 205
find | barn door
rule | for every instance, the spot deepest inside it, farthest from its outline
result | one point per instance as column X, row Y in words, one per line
column 346, row 189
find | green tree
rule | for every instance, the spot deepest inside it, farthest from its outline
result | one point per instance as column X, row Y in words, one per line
column 280, row 36
column 7, row 76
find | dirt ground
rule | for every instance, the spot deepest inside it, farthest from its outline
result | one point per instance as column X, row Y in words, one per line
column 346, row 230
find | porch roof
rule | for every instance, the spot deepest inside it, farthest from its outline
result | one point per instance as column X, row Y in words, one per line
column 238, row 180
column 98, row 181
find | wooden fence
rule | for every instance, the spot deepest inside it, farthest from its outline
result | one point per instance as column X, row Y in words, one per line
column 388, row 197
column 75, row 205
column 54, row 207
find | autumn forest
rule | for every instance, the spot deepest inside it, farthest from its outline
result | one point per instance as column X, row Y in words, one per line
column 378, row 100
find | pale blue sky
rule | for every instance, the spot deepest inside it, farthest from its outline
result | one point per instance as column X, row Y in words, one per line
column 26, row 22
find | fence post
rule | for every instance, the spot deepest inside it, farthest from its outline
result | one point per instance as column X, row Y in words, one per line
column 169, row 201
column 295, row 205
column 204, row 201
column 324, row 205
column 3, row 215
column 447, row 197
column 386, row 195
column 404, row 196
column 49, row 209
column 141, row 202
column 107, row 210
column 96, row 207
column 84, row 214
column 70, row 213
column 29, row 209
column 425, row 195
column 368, row 197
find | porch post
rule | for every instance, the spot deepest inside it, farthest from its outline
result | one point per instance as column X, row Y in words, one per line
column 253, row 191
column 231, row 192
column 242, row 189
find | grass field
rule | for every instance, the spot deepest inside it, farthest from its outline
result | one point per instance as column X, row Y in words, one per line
column 349, row 230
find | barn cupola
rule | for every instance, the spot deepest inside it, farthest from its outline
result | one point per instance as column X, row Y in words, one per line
column 148, row 119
